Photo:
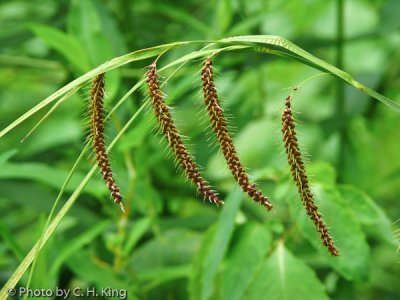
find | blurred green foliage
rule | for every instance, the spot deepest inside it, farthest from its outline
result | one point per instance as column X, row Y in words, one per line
column 174, row 246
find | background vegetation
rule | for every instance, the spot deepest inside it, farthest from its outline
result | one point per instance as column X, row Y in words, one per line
column 172, row 245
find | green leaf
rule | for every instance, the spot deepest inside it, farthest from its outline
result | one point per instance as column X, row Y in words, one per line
column 364, row 208
column 345, row 230
column 224, row 14
column 73, row 245
column 136, row 136
column 139, row 228
column 147, row 196
column 9, row 241
column 322, row 173
column 257, row 130
column 282, row 276
column 180, row 245
column 213, row 248
column 47, row 175
column 66, row 45
column 181, row 16
column 240, row 267
column 158, row 276
column 154, row 267
column 82, row 264
column 86, row 24
column 49, row 136
column 280, row 46
column 368, row 213
column 4, row 157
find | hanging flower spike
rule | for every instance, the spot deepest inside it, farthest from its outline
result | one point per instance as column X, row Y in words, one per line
column 300, row 177
column 97, row 135
column 220, row 128
column 173, row 137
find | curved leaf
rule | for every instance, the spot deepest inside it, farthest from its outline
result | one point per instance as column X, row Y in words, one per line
column 281, row 46
column 252, row 243
column 282, row 276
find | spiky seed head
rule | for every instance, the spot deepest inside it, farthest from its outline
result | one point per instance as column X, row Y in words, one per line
column 220, row 128
column 97, row 136
column 174, row 139
column 301, row 179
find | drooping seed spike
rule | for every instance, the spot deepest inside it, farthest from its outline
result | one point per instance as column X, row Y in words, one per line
column 174, row 139
column 220, row 128
column 97, row 135
column 301, row 179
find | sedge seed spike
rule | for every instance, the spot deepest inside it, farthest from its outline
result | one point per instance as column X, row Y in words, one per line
column 300, row 177
column 97, row 136
column 220, row 128
column 173, row 137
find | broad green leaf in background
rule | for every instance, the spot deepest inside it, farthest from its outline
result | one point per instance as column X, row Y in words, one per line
column 136, row 136
column 182, row 244
column 148, row 199
column 72, row 245
column 4, row 157
column 322, row 172
column 87, row 25
column 140, row 226
column 255, row 141
column 165, row 258
column 154, row 267
column 224, row 15
column 161, row 275
column 252, row 242
column 48, row 175
column 49, row 136
column 368, row 213
column 213, row 248
column 9, row 241
column 66, row 44
column 86, row 268
column 389, row 17
column 181, row 16
column 282, row 276
column 364, row 208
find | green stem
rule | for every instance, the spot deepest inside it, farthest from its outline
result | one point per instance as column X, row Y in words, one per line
column 340, row 117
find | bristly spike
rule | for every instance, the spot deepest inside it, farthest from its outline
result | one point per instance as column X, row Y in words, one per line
column 173, row 137
column 300, row 177
column 97, row 136
column 220, row 128
column 121, row 205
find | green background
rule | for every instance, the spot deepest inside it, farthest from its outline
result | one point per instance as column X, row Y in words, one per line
column 173, row 245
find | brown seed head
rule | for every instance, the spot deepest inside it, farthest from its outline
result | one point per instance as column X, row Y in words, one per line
column 173, row 137
column 220, row 128
column 97, row 135
column 300, row 177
